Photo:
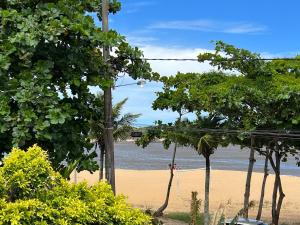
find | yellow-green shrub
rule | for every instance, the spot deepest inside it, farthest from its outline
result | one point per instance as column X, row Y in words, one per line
column 33, row 193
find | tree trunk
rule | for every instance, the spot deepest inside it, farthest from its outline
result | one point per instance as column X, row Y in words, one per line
column 207, row 186
column 101, row 161
column 276, row 204
column 159, row 212
column 280, row 199
column 248, row 180
column 263, row 187
column 108, row 125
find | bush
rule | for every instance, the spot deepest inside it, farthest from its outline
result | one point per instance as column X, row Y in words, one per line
column 31, row 192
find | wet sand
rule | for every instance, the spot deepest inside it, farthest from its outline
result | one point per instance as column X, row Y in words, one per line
column 147, row 188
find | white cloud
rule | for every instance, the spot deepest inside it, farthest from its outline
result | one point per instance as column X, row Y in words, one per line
column 139, row 39
column 167, row 68
column 136, row 6
column 142, row 3
column 210, row 26
column 140, row 99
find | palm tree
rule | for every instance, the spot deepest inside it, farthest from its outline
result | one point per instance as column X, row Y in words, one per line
column 206, row 144
column 122, row 124
column 206, row 147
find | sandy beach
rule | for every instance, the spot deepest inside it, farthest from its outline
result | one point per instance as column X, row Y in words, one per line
column 147, row 188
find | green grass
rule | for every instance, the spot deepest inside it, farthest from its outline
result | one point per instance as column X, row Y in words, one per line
column 184, row 217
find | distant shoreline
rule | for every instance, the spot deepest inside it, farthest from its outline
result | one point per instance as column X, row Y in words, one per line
column 154, row 157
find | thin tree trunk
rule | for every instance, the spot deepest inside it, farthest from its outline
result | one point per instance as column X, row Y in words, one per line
column 248, row 180
column 263, row 187
column 207, row 186
column 276, row 205
column 101, row 161
column 159, row 212
column 280, row 199
column 274, row 196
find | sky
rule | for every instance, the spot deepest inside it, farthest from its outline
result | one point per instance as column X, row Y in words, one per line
column 183, row 29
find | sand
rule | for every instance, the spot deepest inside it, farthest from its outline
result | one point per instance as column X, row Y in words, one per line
column 147, row 189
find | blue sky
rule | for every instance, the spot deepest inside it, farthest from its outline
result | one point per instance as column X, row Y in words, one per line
column 173, row 28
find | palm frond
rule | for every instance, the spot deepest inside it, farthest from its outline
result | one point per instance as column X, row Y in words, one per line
column 127, row 119
column 122, row 124
column 122, row 132
column 206, row 145
column 117, row 108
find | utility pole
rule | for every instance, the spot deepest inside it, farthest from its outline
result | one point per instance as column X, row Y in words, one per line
column 108, row 131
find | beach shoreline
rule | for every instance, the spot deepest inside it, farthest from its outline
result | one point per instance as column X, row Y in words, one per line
column 147, row 189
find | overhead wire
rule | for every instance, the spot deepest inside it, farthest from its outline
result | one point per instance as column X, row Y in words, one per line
column 197, row 60
column 273, row 133
column 280, row 134
column 224, row 59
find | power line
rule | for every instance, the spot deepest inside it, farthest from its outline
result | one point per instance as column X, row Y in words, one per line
column 280, row 134
column 257, row 131
column 222, row 60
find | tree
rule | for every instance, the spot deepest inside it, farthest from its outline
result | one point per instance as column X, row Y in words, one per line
column 188, row 133
column 122, row 126
column 50, row 56
column 206, row 144
column 176, row 96
column 177, row 101
column 248, row 101
column 32, row 192
column 249, row 66
column 169, row 134
column 206, row 147
column 263, row 186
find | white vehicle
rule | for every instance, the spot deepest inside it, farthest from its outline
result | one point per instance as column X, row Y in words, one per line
column 243, row 221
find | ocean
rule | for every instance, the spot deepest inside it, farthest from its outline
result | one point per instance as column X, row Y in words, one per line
column 155, row 157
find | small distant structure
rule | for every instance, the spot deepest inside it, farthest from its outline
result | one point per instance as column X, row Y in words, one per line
column 136, row 134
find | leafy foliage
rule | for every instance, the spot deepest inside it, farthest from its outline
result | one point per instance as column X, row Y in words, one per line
column 228, row 57
column 122, row 124
column 33, row 193
column 50, row 56
column 248, row 98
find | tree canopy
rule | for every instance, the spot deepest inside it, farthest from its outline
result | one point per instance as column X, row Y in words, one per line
column 50, row 56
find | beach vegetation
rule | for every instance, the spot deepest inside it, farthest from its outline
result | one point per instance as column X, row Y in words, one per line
column 168, row 133
column 195, row 209
column 248, row 101
column 122, row 124
column 32, row 192
column 176, row 97
column 251, row 69
column 242, row 94
column 168, row 99
column 50, row 57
